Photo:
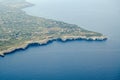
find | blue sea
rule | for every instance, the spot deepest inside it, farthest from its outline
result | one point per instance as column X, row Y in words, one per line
column 71, row 60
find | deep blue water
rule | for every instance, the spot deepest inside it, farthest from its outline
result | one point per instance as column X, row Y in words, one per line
column 73, row 60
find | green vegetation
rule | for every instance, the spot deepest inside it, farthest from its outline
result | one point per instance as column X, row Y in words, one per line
column 18, row 29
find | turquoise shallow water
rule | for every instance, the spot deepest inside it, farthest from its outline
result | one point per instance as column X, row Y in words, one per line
column 73, row 60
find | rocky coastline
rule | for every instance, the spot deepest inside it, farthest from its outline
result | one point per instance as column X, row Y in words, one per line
column 18, row 32
column 46, row 41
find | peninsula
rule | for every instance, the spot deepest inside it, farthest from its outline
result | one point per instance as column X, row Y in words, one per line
column 18, row 29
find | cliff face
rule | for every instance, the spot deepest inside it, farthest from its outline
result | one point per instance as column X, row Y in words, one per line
column 18, row 29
